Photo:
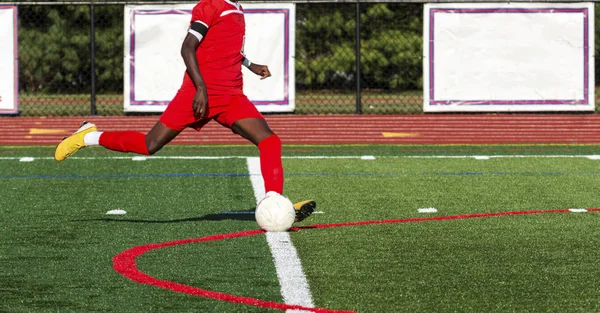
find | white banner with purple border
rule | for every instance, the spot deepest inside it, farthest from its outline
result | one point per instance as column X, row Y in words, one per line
column 8, row 60
column 486, row 57
column 154, row 69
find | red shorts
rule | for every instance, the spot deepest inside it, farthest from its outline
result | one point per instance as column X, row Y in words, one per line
column 225, row 109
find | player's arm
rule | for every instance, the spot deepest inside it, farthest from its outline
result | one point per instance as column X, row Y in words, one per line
column 258, row 69
column 188, row 53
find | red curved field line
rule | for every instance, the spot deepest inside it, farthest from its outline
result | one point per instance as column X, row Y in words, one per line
column 124, row 263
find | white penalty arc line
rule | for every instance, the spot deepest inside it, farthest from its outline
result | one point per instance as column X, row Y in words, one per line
column 294, row 286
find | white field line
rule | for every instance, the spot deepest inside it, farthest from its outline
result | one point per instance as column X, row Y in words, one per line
column 294, row 286
column 256, row 178
column 176, row 157
column 363, row 157
column 484, row 157
column 252, row 212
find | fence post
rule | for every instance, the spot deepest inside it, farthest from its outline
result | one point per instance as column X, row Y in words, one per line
column 93, row 110
column 358, row 94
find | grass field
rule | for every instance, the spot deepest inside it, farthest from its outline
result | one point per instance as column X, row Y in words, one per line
column 57, row 243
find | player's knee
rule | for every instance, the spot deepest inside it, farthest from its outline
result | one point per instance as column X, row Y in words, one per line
column 153, row 146
column 272, row 141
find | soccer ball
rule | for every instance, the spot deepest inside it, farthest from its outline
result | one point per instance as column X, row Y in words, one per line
column 275, row 213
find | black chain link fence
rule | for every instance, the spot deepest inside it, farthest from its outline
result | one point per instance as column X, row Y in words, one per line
column 55, row 58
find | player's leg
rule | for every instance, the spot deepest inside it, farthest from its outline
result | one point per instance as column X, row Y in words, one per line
column 176, row 117
column 136, row 142
column 257, row 131
column 122, row 141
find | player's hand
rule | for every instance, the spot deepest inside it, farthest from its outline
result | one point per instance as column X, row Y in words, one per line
column 260, row 70
column 200, row 103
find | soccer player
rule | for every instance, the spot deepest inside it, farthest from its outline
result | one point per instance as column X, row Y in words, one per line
column 211, row 90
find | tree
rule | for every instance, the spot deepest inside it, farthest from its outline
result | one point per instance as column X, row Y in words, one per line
column 391, row 46
column 54, row 48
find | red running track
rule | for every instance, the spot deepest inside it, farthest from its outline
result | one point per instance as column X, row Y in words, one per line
column 340, row 129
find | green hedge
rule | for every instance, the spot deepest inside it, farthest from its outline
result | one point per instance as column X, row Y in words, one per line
column 54, row 47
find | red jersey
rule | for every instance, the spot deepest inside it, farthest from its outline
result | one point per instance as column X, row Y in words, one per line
column 220, row 52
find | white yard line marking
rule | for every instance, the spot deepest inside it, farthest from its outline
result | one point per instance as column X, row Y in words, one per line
column 427, row 210
column 294, row 286
column 483, row 157
column 197, row 157
column 256, row 178
column 363, row 157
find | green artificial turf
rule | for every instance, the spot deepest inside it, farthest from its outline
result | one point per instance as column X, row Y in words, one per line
column 57, row 243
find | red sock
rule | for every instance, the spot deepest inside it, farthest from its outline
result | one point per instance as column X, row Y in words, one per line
column 124, row 141
column 270, row 163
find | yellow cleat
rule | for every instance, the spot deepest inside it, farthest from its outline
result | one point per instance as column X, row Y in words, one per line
column 304, row 209
column 73, row 143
